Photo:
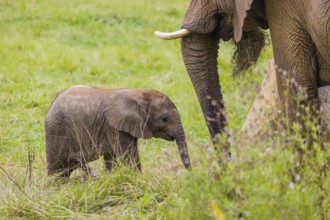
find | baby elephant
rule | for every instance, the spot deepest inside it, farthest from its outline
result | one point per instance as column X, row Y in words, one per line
column 84, row 123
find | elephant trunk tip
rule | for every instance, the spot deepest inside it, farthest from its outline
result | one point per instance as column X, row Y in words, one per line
column 184, row 154
column 187, row 165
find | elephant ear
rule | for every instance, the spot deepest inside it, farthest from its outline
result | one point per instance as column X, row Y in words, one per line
column 240, row 12
column 125, row 111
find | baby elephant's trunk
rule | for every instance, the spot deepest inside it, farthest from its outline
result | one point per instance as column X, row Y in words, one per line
column 182, row 146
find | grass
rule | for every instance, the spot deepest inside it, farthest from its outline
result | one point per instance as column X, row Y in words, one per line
column 47, row 46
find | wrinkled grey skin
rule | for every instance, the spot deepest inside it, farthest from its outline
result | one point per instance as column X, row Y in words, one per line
column 84, row 123
column 300, row 34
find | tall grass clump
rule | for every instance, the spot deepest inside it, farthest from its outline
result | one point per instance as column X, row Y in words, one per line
column 284, row 175
column 268, row 181
column 123, row 194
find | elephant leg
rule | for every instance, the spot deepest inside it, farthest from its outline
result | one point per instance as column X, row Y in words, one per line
column 323, row 94
column 109, row 158
column 56, row 149
column 131, row 155
column 55, row 145
column 294, row 53
column 69, row 167
column 64, row 169
column 296, row 73
column 58, row 167
column 323, row 70
column 125, row 149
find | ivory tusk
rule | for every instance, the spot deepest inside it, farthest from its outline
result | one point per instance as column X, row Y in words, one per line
column 172, row 35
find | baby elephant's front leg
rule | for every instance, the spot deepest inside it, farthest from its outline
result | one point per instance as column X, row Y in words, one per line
column 128, row 151
column 131, row 154
column 124, row 149
column 109, row 158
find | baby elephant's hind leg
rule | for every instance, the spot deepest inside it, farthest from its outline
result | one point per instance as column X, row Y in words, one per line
column 56, row 149
column 62, row 170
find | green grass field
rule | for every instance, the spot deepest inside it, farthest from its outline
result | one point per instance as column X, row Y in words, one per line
column 47, row 46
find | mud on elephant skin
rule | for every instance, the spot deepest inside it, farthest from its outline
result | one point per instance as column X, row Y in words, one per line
column 84, row 123
column 299, row 34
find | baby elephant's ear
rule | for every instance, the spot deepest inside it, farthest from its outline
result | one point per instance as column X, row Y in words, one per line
column 124, row 111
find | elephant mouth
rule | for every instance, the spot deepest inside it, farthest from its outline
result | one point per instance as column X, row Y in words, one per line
column 164, row 135
column 226, row 32
column 167, row 136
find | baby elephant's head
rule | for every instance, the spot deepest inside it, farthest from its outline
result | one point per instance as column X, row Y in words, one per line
column 146, row 114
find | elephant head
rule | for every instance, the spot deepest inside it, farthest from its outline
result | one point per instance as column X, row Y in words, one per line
column 147, row 114
column 207, row 22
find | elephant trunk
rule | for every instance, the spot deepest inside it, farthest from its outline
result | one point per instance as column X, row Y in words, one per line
column 182, row 146
column 200, row 52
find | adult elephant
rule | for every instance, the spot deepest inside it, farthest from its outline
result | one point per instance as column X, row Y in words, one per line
column 300, row 33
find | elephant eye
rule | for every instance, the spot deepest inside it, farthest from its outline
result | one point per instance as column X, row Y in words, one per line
column 164, row 117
